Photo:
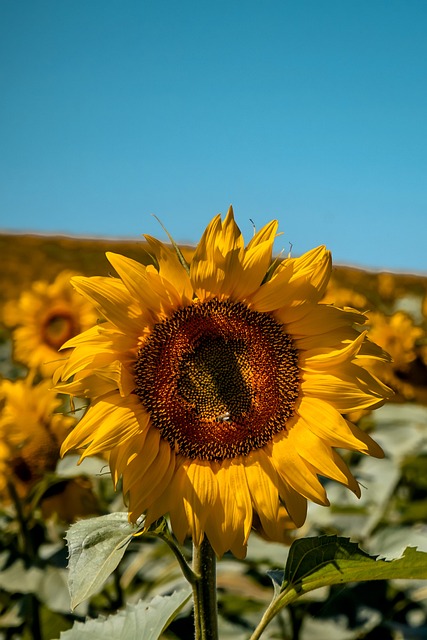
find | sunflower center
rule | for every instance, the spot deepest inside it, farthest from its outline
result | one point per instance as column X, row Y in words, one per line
column 57, row 328
column 218, row 379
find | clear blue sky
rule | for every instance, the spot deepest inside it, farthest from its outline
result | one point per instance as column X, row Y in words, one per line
column 313, row 112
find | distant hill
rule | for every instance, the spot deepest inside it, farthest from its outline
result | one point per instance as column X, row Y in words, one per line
column 25, row 258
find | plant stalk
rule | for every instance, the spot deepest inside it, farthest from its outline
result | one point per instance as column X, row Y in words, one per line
column 30, row 556
column 204, row 592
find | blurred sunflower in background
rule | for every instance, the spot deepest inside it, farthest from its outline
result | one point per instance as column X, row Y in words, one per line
column 32, row 430
column 43, row 318
column 217, row 387
column 398, row 335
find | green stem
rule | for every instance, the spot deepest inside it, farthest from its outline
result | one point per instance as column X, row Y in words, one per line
column 27, row 545
column 185, row 568
column 204, row 592
column 28, row 551
column 278, row 603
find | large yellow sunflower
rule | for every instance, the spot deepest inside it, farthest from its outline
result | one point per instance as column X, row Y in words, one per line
column 44, row 317
column 218, row 387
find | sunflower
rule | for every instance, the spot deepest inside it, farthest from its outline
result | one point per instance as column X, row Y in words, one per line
column 43, row 318
column 31, row 430
column 399, row 335
column 217, row 388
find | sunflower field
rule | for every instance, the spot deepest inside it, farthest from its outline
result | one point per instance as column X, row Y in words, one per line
column 210, row 442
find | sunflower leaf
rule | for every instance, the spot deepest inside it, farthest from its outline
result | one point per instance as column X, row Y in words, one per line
column 327, row 560
column 145, row 620
column 96, row 546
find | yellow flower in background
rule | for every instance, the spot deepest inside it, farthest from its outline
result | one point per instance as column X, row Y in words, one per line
column 344, row 297
column 43, row 318
column 31, row 430
column 4, row 472
column 386, row 284
column 398, row 335
column 218, row 389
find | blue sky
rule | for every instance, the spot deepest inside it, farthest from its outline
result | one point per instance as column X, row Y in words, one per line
column 312, row 112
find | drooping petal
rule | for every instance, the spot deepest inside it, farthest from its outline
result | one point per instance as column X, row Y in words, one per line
column 325, row 421
column 295, row 503
column 229, row 523
column 320, row 456
column 351, row 389
column 199, row 494
column 322, row 359
column 106, row 423
column 263, row 486
column 318, row 320
column 292, row 468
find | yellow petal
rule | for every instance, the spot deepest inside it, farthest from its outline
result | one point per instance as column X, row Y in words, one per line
column 321, row 358
column 295, row 281
column 256, row 260
column 134, row 468
column 315, row 266
column 262, row 482
column 325, row 421
column 171, row 269
column 111, row 297
column 216, row 267
column 86, row 357
column 200, row 493
column 134, row 276
column 292, row 468
column 229, row 523
column 177, row 512
column 319, row 319
column 151, row 481
column 106, row 423
column 274, row 293
column 295, row 503
column 351, row 389
column 320, row 456
column 204, row 274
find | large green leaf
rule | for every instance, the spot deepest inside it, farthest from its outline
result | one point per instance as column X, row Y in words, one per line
column 96, row 547
column 328, row 560
column 145, row 620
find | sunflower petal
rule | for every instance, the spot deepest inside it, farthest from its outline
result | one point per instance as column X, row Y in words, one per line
column 326, row 422
column 262, row 481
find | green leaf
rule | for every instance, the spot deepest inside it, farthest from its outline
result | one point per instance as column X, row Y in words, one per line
column 96, row 547
column 327, row 560
column 145, row 620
